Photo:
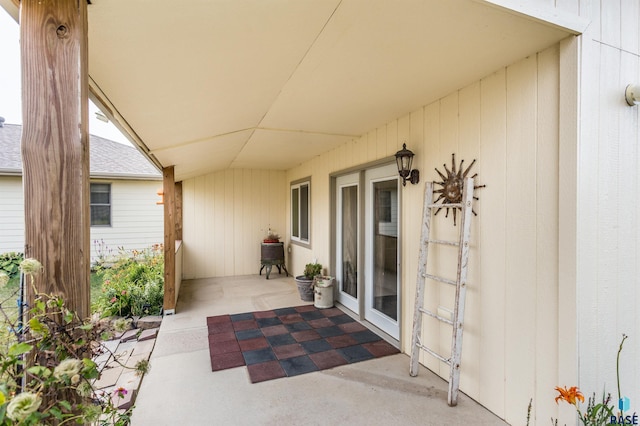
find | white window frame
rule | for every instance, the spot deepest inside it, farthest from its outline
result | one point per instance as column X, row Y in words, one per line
column 297, row 186
column 109, row 204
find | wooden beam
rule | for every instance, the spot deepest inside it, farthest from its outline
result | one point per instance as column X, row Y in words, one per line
column 179, row 211
column 169, row 186
column 55, row 147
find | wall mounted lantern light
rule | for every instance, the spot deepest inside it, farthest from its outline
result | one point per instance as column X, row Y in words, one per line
column 404, row 158
column 632, row 94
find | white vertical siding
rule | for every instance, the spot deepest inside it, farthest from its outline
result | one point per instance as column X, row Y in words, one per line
column 547, row 232
column 520, row 260
column 226, row 216
column 608, row 185
column 509, row 123
column 11, row 214
column 136, row 220
column 493, row 129
column 567, row 206
column 469, row 143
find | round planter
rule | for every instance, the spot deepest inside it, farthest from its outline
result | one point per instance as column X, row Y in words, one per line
column 305, row 288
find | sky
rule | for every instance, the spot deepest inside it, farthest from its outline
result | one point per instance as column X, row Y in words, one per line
column 10, row 99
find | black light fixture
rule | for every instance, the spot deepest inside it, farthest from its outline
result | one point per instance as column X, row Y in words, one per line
column 404, row 158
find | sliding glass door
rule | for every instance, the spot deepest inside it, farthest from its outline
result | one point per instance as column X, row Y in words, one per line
column 381, row 303
column 348, row 239
column 367, row 255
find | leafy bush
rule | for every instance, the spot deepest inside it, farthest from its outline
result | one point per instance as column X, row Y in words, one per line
column 10, row 263
column 133, row 285
column 47, row 373
column 312, row 269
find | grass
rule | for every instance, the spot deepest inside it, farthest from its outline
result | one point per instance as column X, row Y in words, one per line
column 8, row 298
column 9, row 293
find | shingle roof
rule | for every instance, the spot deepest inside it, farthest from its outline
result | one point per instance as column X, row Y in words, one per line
column 109, row 159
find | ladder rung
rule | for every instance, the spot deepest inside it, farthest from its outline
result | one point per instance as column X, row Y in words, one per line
column 440, row 206
column 442, row 280
column 446, row 243
column 436, row 316
column 435, row 354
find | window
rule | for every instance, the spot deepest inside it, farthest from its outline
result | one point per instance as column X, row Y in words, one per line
column 300, row 201
column 100, row 204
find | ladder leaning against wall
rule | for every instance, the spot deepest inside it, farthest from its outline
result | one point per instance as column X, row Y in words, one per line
column 456, row 322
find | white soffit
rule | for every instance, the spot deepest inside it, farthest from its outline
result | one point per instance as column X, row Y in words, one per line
column 375, row 63
column 282, row 150
column 282, row 81
column 184, row 71
column 205, row 156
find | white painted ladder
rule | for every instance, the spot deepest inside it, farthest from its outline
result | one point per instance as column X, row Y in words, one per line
column 460, row 283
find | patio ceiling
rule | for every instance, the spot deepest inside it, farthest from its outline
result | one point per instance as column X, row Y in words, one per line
column 207, row 85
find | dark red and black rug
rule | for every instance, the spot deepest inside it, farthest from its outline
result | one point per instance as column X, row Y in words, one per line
column 291, row 341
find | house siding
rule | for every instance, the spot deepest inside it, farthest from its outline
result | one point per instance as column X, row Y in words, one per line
column 508, row 121
column 226, row 215
column 608, row 192
column 136, row 220
column 11, row 214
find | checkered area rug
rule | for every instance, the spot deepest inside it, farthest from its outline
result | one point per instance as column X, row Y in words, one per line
column 290, row 341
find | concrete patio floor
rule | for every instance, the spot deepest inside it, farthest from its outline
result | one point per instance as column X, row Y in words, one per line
column 181, row 389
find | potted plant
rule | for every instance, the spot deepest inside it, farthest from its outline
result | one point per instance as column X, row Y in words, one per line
column 272, row 237
column 305, row 281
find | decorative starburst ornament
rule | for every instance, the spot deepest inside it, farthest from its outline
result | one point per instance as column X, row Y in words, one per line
column 452, row 183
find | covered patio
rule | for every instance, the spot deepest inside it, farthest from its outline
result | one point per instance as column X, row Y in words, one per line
column 287, row 115
column 182, row 389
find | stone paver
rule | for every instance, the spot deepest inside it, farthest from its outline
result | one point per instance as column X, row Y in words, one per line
column 125, row 349
column 124, row 401
column 128, row 380
column 144, row 347
column 148, row 334
column 130, row 335
column 134, row 359
column 120, row 356
column 108, row 377
column 151, row 321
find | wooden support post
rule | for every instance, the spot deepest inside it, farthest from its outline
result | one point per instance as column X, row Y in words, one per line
column 169, row 186
column 55, row 147
column 179, row 211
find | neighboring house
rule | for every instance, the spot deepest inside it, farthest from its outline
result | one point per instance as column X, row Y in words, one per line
column 124, row 187
column 290, row 118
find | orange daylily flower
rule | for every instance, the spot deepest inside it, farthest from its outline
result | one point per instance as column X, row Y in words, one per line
column 569, row 395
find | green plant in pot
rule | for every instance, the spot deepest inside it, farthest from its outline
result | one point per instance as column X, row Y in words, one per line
column 305, row 281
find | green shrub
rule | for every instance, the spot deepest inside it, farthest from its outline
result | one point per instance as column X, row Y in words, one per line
column 47, row 373
column 312, row 269
column 10, row 263
column 133, row 285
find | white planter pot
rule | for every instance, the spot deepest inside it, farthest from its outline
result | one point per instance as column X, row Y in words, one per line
column 323, row 292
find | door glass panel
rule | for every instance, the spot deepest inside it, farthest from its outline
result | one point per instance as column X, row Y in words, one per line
column 385, row 248
column 349, row 237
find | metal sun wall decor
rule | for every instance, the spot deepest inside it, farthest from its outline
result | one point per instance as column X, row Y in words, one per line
column 451, row 191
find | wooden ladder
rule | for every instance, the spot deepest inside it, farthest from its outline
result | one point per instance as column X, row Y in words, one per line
column 460, row 284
